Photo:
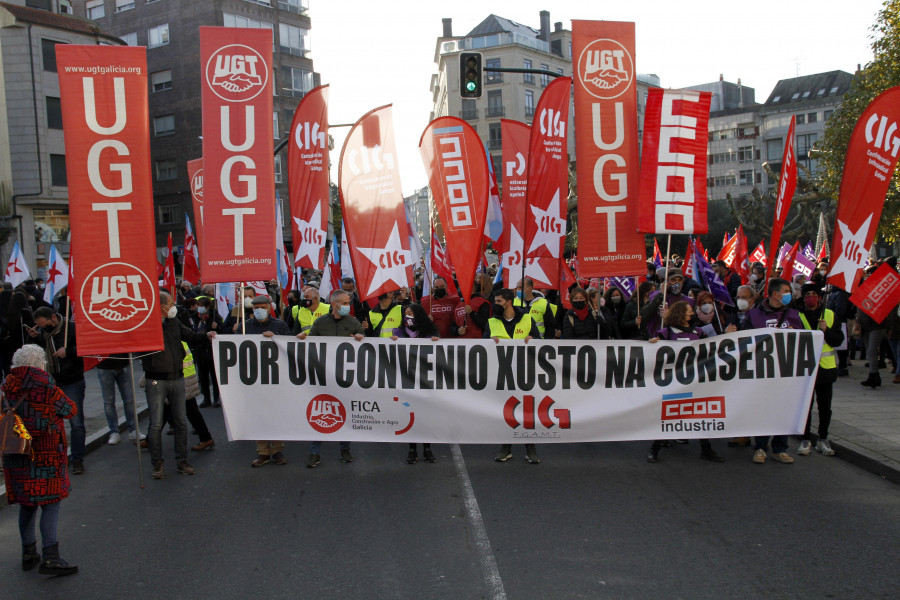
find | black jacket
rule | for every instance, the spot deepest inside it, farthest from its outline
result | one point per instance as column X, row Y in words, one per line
column 169, row 362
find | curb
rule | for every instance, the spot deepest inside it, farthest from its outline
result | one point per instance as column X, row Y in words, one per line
column 867, row 460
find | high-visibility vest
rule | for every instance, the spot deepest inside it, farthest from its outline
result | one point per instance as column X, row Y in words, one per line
column 522, row 330
column 537, row 309
column 827, row 361
column 392, row 321
column 188, row 363
column 307, row 317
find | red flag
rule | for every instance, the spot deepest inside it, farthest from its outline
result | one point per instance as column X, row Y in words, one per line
column 823, row 253
column 741, row 264
column 548, row 176
column 440, row 262
column 787, row 263
column 566, row 281
column 169, row 269
column 759, row 255
column 236, row 92
column 372, row 205
column 190, row 270
column 107, row 141
column 703, row 251
column 786, row 186
column 672, row 196
column 308, row 178
column 458, row 172
column 195, row 176
column 688, row 266
column 879, row 293
column 729, row 250
column 658, row 260
column 868, row 169
column 516, row 138
column 607, row 148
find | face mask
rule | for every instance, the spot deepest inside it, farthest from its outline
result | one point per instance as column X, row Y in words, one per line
column 382, row 297
column 706, row 308
column 201, row 310
column 742, row 304
column 786, row 298
column 811, row 302
column 173, row 312
column 440, row 292
column 519, row 294
column 499, row 310
column 753, row 277
column 578, row 304
column 409, row 321
column 344, row 310
column 248, row 303
column 260, row 314
column 823, row 272
column 617, row 299
column 675, row 288
column 305, row 303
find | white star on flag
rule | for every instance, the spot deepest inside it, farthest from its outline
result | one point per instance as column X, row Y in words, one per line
column 854, row 243
column 390, row 262
column 512, row 260
column 308, row 247
column 549, row 239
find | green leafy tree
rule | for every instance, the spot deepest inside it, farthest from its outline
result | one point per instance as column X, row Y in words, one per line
column 877, row 76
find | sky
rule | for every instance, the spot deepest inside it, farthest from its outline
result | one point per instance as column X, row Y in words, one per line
column 377, row 53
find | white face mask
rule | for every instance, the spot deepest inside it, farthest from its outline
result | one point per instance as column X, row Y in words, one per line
column 248, row 303
column 823, row 272
column 173, row 312
column 707, row 308
column 753, row 277
column 260, row 314
column 742, row 304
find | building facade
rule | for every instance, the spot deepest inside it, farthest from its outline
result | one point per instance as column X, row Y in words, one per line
column 169, row 30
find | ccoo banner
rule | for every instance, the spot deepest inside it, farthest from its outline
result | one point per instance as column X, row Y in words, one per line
column 103, row 91
column 755, row 382
column 239, row 195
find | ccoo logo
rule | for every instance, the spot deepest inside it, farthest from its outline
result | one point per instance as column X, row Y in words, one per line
column 605, row 69
column 326, row 414
column 117, row 297
column 236, row 73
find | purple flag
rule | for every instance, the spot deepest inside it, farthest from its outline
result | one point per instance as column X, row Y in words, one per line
column 708, row 277
column 624, row 285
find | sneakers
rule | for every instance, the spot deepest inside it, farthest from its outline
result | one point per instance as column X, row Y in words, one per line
column 346, row 456
column 312, row 461
column 261, row 459
column 824, row 446
column 710, row 455
column 279, row 459
column 805, row 448
column 783, row 457
column 133, row 436
column 114, row 438
column 412, row 457
column 158, row 471
column 505, row 453
column 207, row 445
column 77, row 467
column 759, row 457
column 531, row 454
column 429, row 455
column 185, row 468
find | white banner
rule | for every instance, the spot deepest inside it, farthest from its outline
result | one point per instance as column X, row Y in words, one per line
column 477, row 391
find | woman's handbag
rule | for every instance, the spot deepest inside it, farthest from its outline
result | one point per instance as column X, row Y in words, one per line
column 14, row 438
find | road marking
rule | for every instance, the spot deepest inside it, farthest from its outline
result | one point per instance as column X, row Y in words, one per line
column 482, row 543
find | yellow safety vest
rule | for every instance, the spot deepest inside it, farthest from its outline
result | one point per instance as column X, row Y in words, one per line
column 393, row 320
column 827, row 361
column 522, row 330
column 188, row 363
column 537, row 310
column 307, row 317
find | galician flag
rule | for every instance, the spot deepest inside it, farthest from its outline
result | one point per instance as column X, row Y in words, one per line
column 57, row 275
column 16, row 269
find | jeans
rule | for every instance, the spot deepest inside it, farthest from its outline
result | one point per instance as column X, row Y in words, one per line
column 872, row 340
column 779, row 443
column 317, row 445
column 49, row 519
column 109, row 380
column 158, row 391
column 895, row 348
column 75, row 393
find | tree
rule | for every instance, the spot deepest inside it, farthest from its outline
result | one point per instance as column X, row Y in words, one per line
column 880, row 74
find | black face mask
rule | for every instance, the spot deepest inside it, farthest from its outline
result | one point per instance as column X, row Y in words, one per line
column 579, row 304
column 305, row 303
column 440, row 292
column 382, row 297
column 499, row 310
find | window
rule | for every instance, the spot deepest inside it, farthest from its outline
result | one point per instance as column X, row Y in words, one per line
column 48, row 53
column 806, row 95
column 58, row 170
column 169, row 213
column 129, row 38
column 529, row 103
column 229, row 20
column 278, row 168
column 54, row 113
column 293, row 40
column 164, row 125
column 260, row 2
column 492, row 76
column 495, row 103
column 65, row 7
column 123, row 5
column 494, row 136
column 827, row 114
column 745, row 153
column 95, row 9
column 158, row 36
column 795, row 96
column 295, row 6
column 560, row 71
column 776, row 99
column 774, row 149
column 529, row 77
column 545, row 79
column 812, row 117
column 821, row 92
column 834, row 90
column 801, row 119
column 166, row 169
column 745, row 177
column 804, row 144
column 469, row 110
column 275, row 124
column 161, row 80
column 296, row 82
column 726, row 180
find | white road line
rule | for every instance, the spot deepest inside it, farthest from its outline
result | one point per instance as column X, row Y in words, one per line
column 482, row 543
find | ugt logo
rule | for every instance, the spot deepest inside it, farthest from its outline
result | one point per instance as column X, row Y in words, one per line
column 605, row 69
column 236, row 73
column 326, row 414
column 563, row 418
column 117, row 297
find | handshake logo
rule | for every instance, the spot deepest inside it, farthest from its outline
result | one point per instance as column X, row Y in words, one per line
column 236, row 73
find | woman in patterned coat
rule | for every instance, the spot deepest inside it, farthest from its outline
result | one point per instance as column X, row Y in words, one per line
column 40, row 480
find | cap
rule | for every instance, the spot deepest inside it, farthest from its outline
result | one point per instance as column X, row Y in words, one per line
column 262, row 299
column 674, row 273
column 810, row 287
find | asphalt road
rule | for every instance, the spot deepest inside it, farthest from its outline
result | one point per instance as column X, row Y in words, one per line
column 591, row 521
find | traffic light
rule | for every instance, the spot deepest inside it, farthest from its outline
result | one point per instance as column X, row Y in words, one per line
column 470, row 74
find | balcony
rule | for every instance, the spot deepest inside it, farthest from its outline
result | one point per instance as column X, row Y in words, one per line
column 470, row 114
column 495, row 111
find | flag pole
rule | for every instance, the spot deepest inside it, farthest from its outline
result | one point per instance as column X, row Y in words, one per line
column 66, row 322
column 243, row 312
column 666, row 274
column 137, row 429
